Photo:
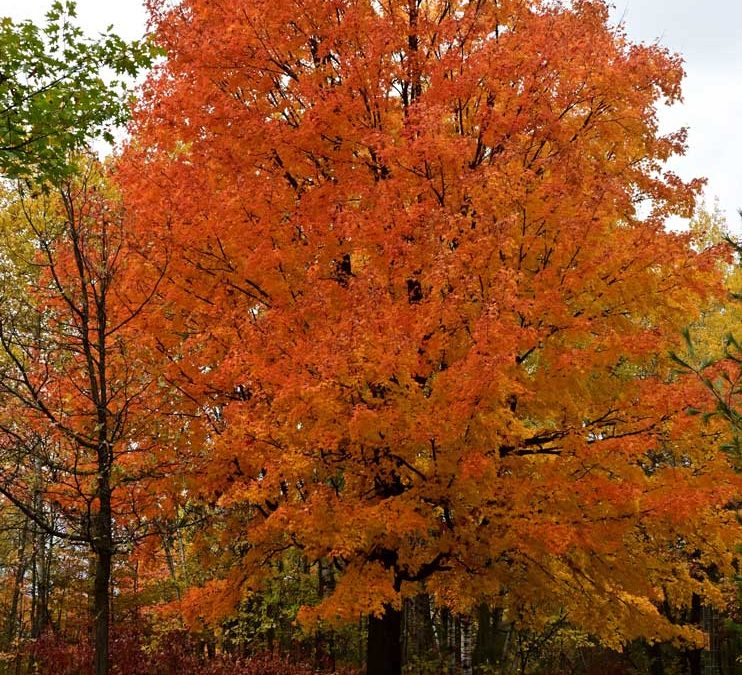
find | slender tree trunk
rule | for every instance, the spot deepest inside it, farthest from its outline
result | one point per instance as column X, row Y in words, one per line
column 409, row 631
column 181, row 552
column 42, row 562
column 419, row 640
column 102, row 581
column 101, row 618
column 41, row 565
column 451, row 642
column 362, row 657
column 486, row 651
column 13, row 621
column 167, row 547
column 506, row 643
column 425, row 643
column 136, row 591
column 48, row 562
column 384, row 647
column 465, row 651
column 324, row 653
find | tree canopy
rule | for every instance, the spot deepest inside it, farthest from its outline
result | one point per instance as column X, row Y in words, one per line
column 420, row 312
column 375, row 315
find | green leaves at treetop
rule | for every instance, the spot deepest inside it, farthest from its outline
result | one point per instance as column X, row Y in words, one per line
column 53, row 95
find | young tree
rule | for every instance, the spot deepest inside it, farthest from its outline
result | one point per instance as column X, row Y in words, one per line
column 80, row 419
column 414, row 300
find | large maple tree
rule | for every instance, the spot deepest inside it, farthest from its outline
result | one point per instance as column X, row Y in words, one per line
column 421, row 295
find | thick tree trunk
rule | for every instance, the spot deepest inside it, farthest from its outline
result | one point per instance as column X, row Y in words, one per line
column 384, row 647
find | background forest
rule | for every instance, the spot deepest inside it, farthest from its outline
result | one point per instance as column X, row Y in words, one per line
column 367, row 351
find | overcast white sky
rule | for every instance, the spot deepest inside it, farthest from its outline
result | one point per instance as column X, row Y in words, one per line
column 706, row 34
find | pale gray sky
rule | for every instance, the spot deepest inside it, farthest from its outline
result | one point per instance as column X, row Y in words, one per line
column 706, row 34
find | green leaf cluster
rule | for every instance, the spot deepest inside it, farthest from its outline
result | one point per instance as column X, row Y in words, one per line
column 59, row 90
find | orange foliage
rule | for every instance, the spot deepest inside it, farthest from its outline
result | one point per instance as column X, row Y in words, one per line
column 413, row 300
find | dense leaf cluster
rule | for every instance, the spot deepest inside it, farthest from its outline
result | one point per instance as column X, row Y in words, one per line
column 59, row 90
